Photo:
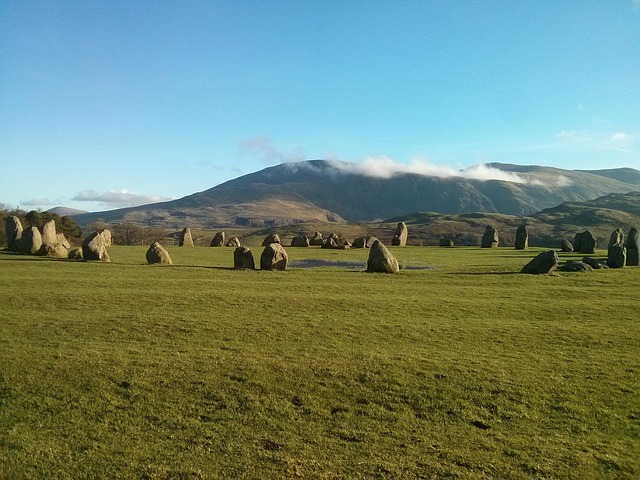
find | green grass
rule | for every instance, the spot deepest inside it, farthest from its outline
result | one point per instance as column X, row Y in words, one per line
column 463, row 370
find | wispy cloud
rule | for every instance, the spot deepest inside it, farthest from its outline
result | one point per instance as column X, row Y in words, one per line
column 582, row 139
column 39, row 202
column 263, row 148
column 118, row 198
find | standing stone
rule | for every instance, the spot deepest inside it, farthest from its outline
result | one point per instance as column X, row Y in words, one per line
column 271, row 238
column 632, row 247
column 274, row 257
column 218, row 240
column 565, row 246
column 30, row 241
column 186, row 240
column 617, row 257
column 317, row 239
column 595, row 263
column 94, row 247
column 490, row 237
column 54, row 250
column 13, row 229
column 234, row 242
column 370, row 242
column 400, row 236
column 617, row 238
column 381, row 260
column 330, row 243
column 446, row 242
column 545, row 262
column 300, row 241
column 243, row 259
column 49, row 232
column 585, row 242
column 157, row 254
column 522, row 237
column 359, row 242
column 106, row 237
column 62, row 240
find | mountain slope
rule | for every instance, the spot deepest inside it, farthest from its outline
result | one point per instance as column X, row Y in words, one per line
column 323, row 191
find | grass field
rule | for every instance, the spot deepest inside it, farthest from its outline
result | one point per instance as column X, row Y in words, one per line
column 465, row 369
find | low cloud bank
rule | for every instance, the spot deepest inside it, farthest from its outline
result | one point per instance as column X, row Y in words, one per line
column 118, row 198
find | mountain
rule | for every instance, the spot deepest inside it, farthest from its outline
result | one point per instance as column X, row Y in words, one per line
column 66, row 211
column 337, row 192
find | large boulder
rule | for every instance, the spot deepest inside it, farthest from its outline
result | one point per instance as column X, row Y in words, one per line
column 49, row 232
column 185, row 240
column 54, row 250
column 617, row 257
column 274, row 257
column 271, row 238
column 522, row 237
column 330, row 243
column 371, row 241
column 62, row 240
column 234, row 242
column 490, row 237
column 616, row 238
column 75, row 254
column 243, row 259
column 595, row 263
column 157, row 254
column 632, row 247
column 565, row 246
column 106, row 237
column 446, row 242
column 545, row 262
column 94, row 247
column 576, row 266
column 30, row 241
column 300, row 241
column 400, row 236
column 381, row 260
column 585, row 242
column 359, row 242
column 317, row 239
column 13, row 229
column 633, row 238
column 218, row 240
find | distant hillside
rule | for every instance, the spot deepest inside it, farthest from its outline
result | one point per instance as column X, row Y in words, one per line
column 333, row 192
column 66, row 211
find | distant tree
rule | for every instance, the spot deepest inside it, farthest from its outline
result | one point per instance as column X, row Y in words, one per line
column 69, row 227
column 34, row 218
column 154, row 234
column 98, row 226
column 127, row 234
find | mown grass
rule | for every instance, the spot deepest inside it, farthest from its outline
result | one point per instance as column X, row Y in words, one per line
column 463, row 370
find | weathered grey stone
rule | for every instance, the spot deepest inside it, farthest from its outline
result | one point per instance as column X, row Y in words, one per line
column 400, row 236
column 54, row 250
column 617, row 257
column 185, row 240
column 370, row 241
column 106, row 237
column 49, row 232
column 490, row 237
column 243, row 259
column 576, row 266
column 157, row 254
column 300, row 241
column 446, row 242
column 330, row 243
column 565, row 246
column 75, row 254
column 633, row 238
column 522, row 237
column 317, row 239
column 545, row 262
column 94, row 247
column 218, row 240
column 13, row 229
column 346, row 245
column 381, row 260
column 62, row 240
column 359, row 242
column 585, row 242
column 234, row 242
column 632, row 257
column 595, row 263
column 274, row 257
column 632, row 247
column 271, row 238
column 30, row 241
column 617, row 238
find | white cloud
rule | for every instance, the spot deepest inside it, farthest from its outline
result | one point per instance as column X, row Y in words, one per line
column 118, row 198
column 563, row 181
column 581, row 139
column 263, row 148
column 619, row 137
column 38, row 202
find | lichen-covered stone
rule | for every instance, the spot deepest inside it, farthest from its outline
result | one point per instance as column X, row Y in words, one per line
column 157, row 254
column 381, row 260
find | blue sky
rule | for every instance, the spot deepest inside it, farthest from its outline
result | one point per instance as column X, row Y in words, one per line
column 115, row 103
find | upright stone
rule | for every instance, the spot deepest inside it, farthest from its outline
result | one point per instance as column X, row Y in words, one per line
column 243, row 259
column 49, row 232
column 632, row 247
column 522, row 237
column 359, row 242
column 62, row 240
column 13, row 229
column 271, row 238
column 218, row 240
column 30, row 241
column 186, row 240
column 274, row 257
column 157, row 254
column 545, row 262
column 617, row 238
column 370, row 241
column 400, row 236
column 381, row 260
column 565, row 246
column 490, row 237
column 585, row 242
column 106, row 237
column 94, row 247
column 234, row 242
column 300, row 241
column 317, row 239
column 330, row 243
column 617, row 257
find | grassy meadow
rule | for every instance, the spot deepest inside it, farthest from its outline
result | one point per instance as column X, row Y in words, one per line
column 458, row 367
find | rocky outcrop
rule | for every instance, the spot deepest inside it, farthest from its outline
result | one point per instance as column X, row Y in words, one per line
column 274, row 257
column 94, row 247
column 522, row 238
column 381, row 260
column 13, row 230
column 490, row 237
column 185, row 240
column 400, row 236
column 157, row 254
column 218, row 240
column 545, row 262
column 243, row 259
